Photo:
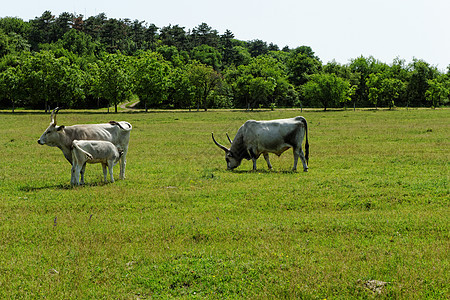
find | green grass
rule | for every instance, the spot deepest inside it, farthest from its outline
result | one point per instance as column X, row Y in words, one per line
column 374, row 205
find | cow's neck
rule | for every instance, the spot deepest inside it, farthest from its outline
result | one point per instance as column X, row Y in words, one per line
column 67, row 152
column 66, row 143
column 239, row 148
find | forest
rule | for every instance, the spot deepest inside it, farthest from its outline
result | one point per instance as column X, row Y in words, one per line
column 77, row 62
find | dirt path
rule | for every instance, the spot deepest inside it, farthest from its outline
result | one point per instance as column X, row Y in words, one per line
column 128, row 106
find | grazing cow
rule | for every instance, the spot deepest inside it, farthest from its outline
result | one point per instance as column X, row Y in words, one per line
column 263, row 137
column 93, row 152
column 62, row 137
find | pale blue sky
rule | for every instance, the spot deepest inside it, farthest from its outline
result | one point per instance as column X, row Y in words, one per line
column 334, row 29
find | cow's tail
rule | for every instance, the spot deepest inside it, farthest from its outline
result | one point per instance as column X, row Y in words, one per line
column 88, row 155
column 127, row 125
column 306, row 142
column 306, row 139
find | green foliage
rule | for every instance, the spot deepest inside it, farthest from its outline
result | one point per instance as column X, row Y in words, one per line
column 260, row 83
column 207, row 55
column 256, row 73
column 151, row 76
column 78, row 43
column 115, row 83
column 384, row 90
column 327, row 89
column 204, row 81
column 11, row 85
column 418, row 82
column 438, row 92
column 301, row 66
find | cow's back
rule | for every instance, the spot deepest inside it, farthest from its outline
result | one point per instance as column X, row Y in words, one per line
column 102, row 132
column 272, row 135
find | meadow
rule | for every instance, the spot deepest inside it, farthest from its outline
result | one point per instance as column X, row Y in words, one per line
column 373, row 206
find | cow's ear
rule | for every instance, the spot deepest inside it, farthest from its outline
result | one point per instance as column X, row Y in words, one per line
column 60, row 128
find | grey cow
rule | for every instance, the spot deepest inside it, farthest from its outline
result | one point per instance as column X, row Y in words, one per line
column 93, row 152
column 62, row 137
column 263, row 137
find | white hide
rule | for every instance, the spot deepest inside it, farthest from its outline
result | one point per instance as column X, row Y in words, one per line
column 93, row 152
column 263, row 137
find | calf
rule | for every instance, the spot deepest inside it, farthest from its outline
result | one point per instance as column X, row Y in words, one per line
column 92, row 152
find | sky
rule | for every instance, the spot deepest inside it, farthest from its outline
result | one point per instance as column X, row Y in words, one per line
column 338, row 30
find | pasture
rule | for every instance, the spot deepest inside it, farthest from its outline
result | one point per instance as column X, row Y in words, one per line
column 373, row 206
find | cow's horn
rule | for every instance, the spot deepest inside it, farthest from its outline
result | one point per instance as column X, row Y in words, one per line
column 219, row 145
column 53, row 117
column 229, row 138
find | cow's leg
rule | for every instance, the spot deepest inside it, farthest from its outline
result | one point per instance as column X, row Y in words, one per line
column 266, row 157
column 81, row 171
column 76, row 174
column 110, row 167
column 299, row 153
column 294, row 168
column 105, row 172
column 73, row 174
column 302, row 157
column 123, row 163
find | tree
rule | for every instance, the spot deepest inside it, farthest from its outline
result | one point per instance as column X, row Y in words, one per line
column 61, row 25
column 203, row 80
column 207, row 55
column 79, row 43
column 114, row 35
column 438, row 91
column 151, row 78
column 228, row 52
column 93, row 26
column 344, row 72
column 180, row 90
column 257, row 48
column 174, row 36
column 41, row 31
column 13, row 33
column 262, row 82
column 301, row 66
column 114, row 78
column 260, row 90
column 204, row 35
column 54, row 80
column 15, row 25
column 418, row 84
column 11, row 85
column 327, row 89
column 392, row 89
column 4, row 44
column 362, row 67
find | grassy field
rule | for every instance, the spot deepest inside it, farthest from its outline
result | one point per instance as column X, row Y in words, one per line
column 373, row 206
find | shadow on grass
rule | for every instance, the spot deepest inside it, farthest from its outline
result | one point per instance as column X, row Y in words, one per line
column 30, row 188
column 265, row 171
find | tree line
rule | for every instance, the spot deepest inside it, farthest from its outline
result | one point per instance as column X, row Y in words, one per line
column 78, row 62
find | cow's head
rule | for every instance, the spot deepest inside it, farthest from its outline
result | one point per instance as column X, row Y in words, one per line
column 51, row 135
column 232, row 160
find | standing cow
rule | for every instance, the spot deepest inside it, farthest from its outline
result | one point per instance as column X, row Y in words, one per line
column 263, row 137
column 62, row 137
column 93, row 152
